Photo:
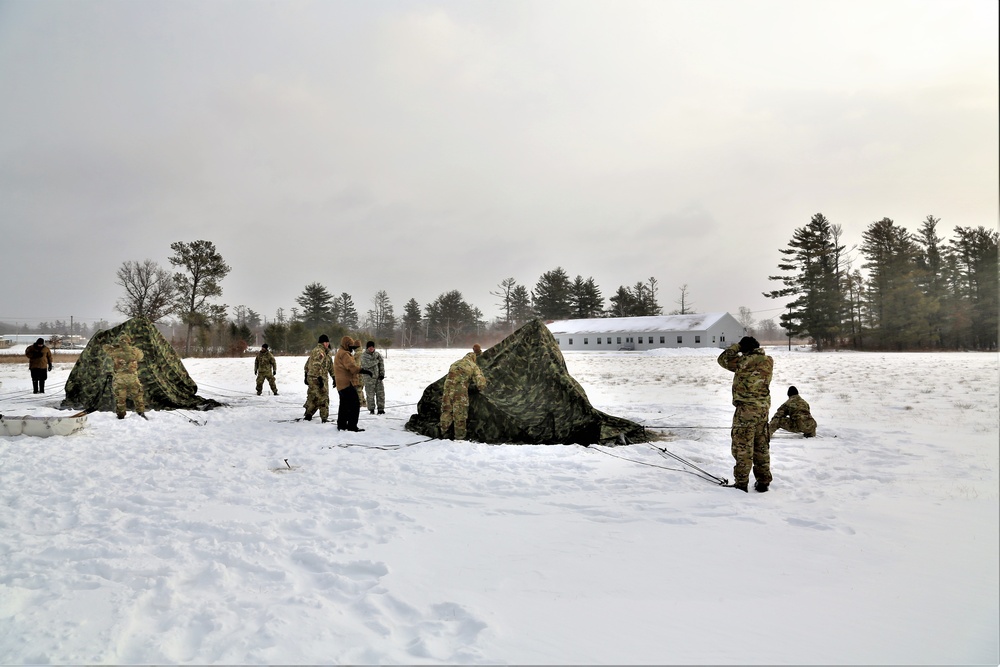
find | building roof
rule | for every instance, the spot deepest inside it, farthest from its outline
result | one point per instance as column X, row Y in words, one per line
column 696, row 322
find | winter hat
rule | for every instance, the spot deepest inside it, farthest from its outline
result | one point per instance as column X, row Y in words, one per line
column 792, row 391
column 370, row 343
column 264, row 346
column 40, row 341
column 478, row 350
column 748, row 344
column 324, row 338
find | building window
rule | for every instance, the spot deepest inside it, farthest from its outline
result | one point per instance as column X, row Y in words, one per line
column 598, row 340
column 697, row 339
column 713, row 339
column 558, row 341
column 640, row 339
column 586, row 341
column 619, row 340
column 722, row 338
column 680, row 339
column 570, row 341
column 663, row 339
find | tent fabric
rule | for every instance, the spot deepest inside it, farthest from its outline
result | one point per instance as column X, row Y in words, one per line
column 530, row 398
column 165, row 382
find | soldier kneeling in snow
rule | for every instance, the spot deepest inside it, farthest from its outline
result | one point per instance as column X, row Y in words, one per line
column 794, row 416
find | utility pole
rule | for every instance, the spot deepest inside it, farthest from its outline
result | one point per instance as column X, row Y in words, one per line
column 789, row 327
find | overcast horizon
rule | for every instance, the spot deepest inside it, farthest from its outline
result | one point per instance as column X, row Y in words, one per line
column 423, row 147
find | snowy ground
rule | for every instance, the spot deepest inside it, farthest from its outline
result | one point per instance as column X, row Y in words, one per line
column 189, row 539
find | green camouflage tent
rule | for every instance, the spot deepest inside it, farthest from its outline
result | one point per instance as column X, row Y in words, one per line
column 165, row 382
column 530, row 398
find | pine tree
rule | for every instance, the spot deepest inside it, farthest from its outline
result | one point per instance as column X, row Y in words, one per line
column 973, row 256
column 552, row 295
column 931, row 279
column 895, row 307
column 449, row 318
column 347, row 314
column 520, row 306
column 204, row 269
column 585, row 298
column 410, row 332
column 812, row 279
column 317, row 307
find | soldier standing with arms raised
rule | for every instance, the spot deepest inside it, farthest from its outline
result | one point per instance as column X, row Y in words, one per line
column 752, row 371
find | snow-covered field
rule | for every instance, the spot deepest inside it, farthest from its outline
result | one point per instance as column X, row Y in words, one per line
column 238, row 536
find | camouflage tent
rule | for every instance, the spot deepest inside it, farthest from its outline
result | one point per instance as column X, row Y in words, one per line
column 165, row 382
column 530, row 398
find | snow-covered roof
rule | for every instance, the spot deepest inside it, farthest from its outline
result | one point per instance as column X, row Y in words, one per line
column 694, row 322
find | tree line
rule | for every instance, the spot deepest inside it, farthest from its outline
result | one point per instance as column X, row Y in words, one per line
column 919, row 291
column 155, row 293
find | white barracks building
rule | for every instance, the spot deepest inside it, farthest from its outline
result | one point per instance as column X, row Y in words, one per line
column 647, row 333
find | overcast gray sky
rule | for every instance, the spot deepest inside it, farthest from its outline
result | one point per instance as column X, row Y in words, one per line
column 421, row 147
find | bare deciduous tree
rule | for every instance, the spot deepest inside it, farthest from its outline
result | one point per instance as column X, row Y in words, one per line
column 149, row 290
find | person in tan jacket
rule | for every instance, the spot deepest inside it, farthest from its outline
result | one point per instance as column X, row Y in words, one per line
column 39, row 364
column 345, row 374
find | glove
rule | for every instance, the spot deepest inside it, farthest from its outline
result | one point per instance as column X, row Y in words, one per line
column 305, row 378
column 50, row 368
column 365, row 371
column 381, row 377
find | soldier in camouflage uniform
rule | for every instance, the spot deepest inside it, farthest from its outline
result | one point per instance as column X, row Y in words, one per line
column 455, row 398
column 356, row 353
column 794, row 416
column 318, row 368
column 265, row 367
column 752, row 397
column 125, row 383
column 372, row 362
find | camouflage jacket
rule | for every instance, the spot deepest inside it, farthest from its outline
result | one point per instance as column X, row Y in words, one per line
column 38, row 357
column 372, row 361
column 124, row 357
column 794, row 408
column 464, row 371
column 265, row 360
column 318, row 364
column 752, row 379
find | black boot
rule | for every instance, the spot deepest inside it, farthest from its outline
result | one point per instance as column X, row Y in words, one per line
column 759, row 487
column 742, row 487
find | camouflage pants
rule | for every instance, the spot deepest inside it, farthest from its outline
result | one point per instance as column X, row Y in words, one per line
column 751, row 444
column 375, row 391
column 126, row 386
column 454, row 410
column 805, row 425
column 361, row 394
column 318, row 398
column 269, row 376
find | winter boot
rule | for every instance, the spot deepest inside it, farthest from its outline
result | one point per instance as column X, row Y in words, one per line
column 759, row 487
column 741, row 486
